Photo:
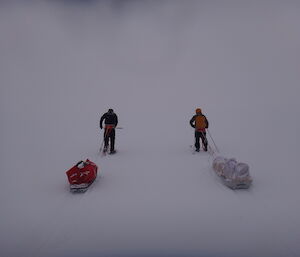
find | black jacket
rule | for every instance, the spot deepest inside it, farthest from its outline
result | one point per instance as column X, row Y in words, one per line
column 110, row 118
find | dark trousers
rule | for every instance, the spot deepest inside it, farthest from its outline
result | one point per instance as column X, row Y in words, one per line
column 201, row 135
column 109, row 135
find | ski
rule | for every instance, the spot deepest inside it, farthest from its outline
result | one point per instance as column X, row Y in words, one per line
column 194, row 151
column 105, row 153
column 112, row 153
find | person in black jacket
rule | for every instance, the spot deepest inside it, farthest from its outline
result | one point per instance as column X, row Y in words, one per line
column 200, row 123
column 111, row 121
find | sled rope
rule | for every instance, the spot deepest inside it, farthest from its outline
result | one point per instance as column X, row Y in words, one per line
column 213, row 141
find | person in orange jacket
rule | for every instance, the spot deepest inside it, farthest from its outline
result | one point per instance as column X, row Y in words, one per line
column 200, row 123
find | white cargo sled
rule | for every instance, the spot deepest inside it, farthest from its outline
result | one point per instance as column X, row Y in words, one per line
column 233, row 174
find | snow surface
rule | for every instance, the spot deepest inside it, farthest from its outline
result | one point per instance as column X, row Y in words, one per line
column 64, row 63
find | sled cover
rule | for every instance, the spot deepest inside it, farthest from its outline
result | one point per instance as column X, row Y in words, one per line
column 234, row 174
column 82, row 173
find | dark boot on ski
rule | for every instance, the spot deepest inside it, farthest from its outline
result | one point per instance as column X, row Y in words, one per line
column 112, row 151
column 197, row 150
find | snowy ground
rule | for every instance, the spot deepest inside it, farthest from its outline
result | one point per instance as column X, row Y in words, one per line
column 63, row 64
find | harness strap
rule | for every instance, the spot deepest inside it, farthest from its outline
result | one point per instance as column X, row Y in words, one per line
column 109, row 126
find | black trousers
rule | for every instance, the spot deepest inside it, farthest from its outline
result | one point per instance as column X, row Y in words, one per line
column 201, row 135
column 109, row 137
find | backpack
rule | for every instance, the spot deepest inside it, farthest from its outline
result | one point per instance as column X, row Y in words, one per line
column 200, row 122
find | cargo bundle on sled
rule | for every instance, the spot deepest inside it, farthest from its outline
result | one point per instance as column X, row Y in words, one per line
column 235, row 175
column 81, row 176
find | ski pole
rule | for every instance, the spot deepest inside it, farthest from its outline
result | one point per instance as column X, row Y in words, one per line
column 102, row 143
column 213, row 141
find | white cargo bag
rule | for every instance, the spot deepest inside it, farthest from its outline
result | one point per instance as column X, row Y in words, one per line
column 235, row 175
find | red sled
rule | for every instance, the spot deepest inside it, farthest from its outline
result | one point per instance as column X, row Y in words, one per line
column 81, row 176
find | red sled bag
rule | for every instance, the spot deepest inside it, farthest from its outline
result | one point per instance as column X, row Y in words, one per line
column 81, row 175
